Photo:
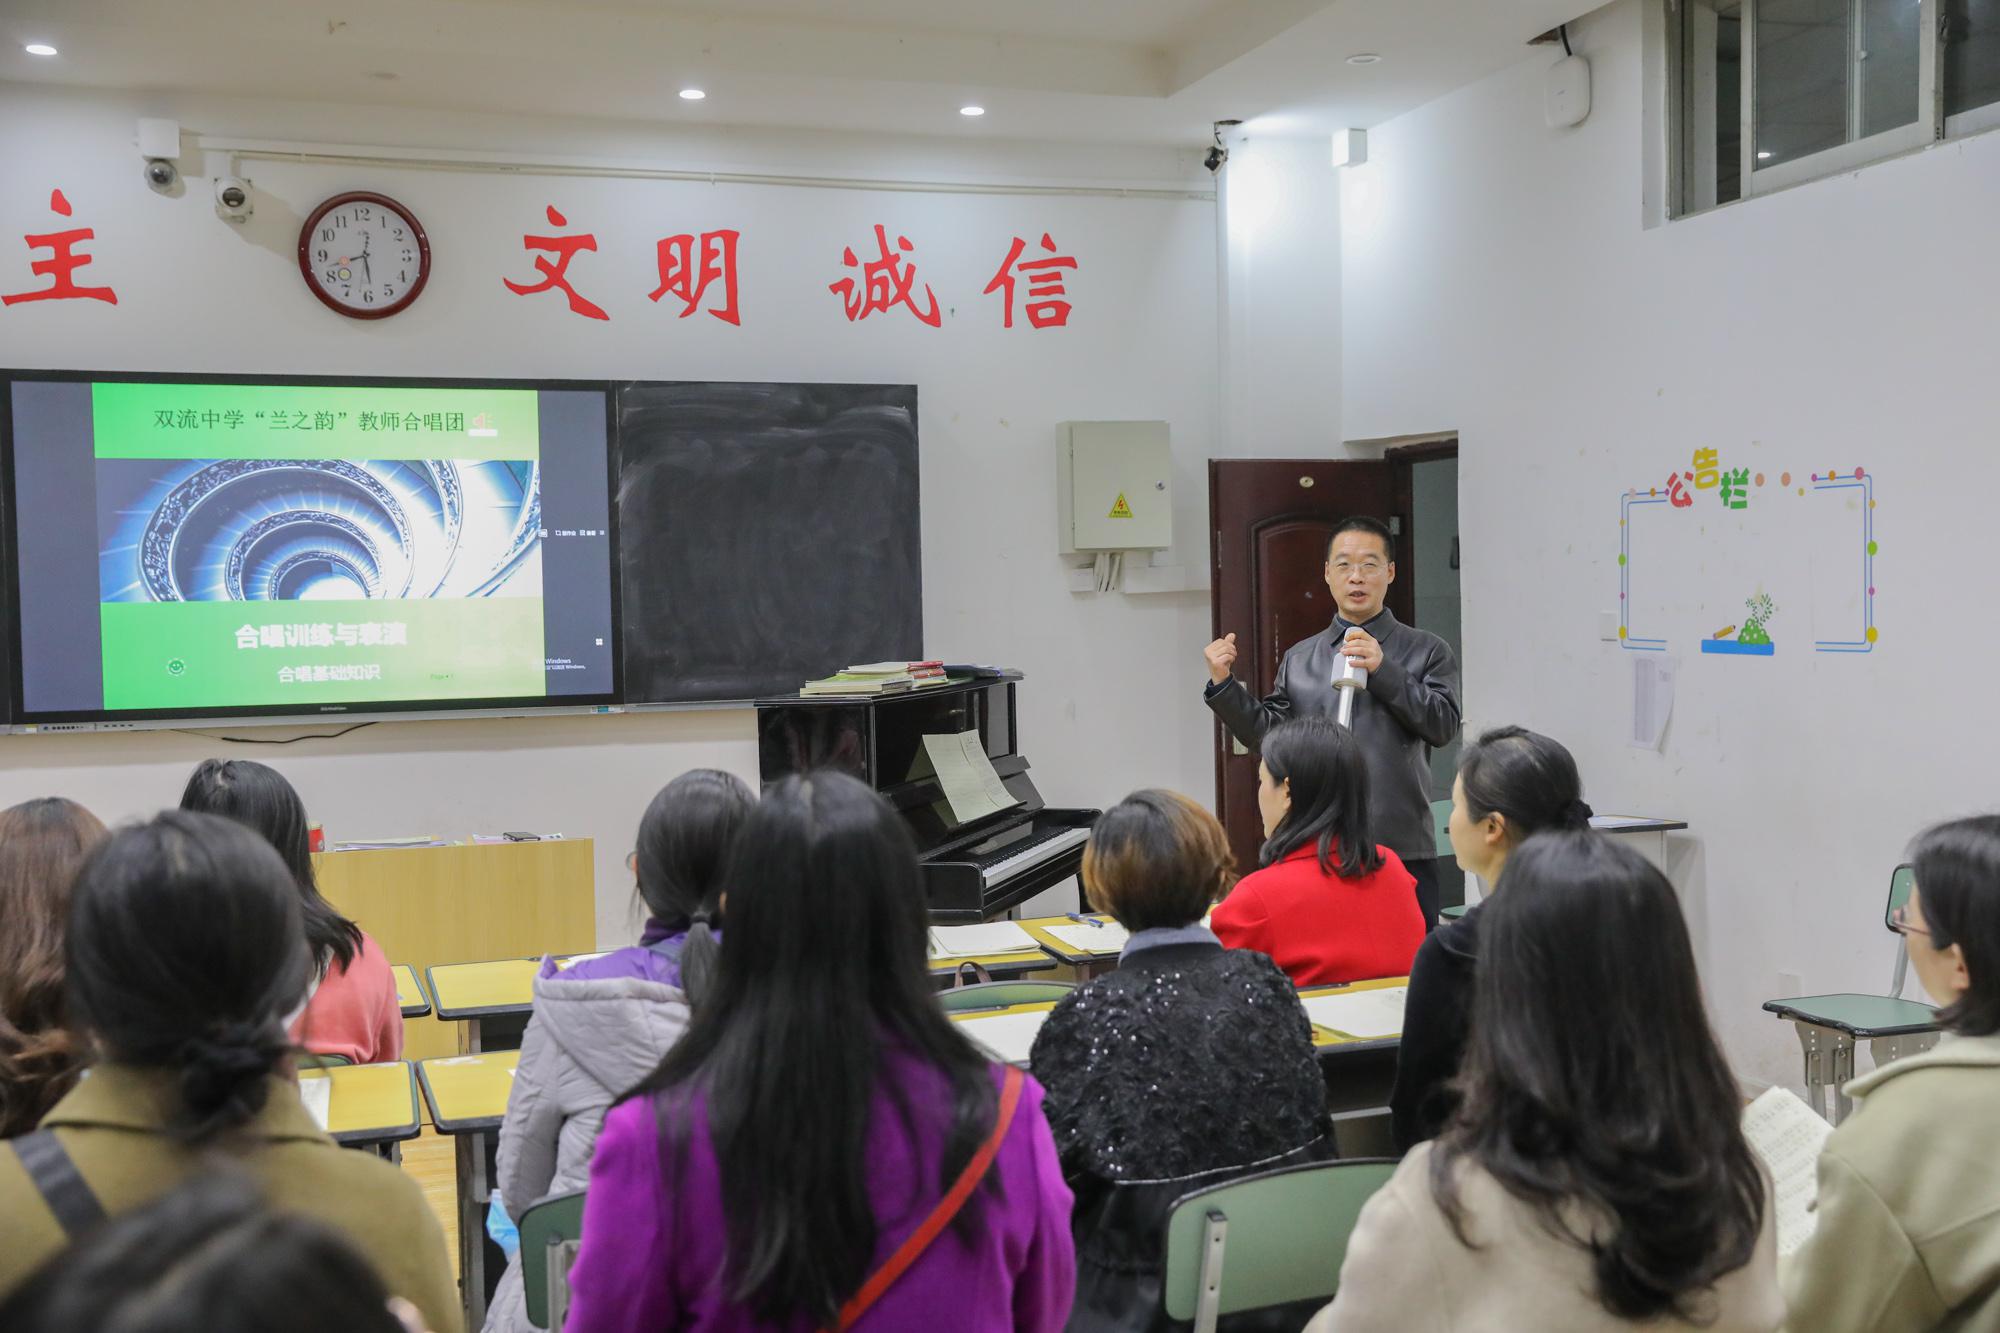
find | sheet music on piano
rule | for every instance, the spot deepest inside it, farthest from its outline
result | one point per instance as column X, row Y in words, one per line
column 971, row 787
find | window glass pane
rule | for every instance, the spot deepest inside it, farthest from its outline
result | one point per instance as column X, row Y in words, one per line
column 1971, row 54
column 1712, row 102
column 1887, row 60
column 1801, row 78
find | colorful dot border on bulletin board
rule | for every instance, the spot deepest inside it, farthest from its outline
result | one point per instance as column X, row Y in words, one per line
column 1634, row 498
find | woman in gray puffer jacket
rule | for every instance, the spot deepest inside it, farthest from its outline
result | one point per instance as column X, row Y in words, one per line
column 602, row 1025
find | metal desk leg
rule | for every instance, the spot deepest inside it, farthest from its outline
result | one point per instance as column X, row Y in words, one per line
column 1887, row 1049
column 473, row 1189
column 1829, row 1057
column 468, row 1037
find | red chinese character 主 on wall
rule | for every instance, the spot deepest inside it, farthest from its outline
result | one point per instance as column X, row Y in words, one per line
column 886, row 282
column 1046, row 308
column 564, row 248
column 62, row 263
column 687, row 277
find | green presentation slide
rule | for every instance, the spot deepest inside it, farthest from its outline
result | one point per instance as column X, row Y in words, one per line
column 301, row 545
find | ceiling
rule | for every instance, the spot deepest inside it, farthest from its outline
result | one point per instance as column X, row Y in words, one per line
column 1101, row 71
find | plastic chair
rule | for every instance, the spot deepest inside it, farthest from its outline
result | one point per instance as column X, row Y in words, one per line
column 1289, row 1228
column 314, row 1060
column 1000, row 994
column 1441, row 827
column 1830, row 1026
column 551, row 1231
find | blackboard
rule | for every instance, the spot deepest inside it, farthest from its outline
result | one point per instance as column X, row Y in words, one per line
column 768, row 534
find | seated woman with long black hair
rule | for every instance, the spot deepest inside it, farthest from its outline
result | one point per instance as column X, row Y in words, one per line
column 1189, row 1064
column 353, row 1011
column 823, row 1140
column 186, row 963
column 1328, row 904
column 1594, row 1177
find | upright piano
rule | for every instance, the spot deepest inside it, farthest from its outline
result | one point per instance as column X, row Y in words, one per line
column 974, row 869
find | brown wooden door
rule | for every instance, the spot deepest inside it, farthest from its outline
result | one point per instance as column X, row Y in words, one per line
column 1269, row 521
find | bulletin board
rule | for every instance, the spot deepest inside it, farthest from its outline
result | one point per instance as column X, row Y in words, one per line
column 1748, row 562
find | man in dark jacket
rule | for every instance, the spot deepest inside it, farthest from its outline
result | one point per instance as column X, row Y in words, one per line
column 1411, row 704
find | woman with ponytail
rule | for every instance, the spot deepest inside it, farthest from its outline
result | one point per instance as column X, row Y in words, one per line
column 186, row 962
column 601, row 1026
column 1512, row 783
column 42, row 843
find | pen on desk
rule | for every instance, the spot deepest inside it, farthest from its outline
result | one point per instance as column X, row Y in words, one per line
column 1082, row 919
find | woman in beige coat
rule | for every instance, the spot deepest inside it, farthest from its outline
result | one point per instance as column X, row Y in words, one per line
column 1594, row 1176
column 186, row 963
column 1909, row 1186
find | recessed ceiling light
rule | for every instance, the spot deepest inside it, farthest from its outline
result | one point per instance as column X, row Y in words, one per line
column 1763, row 154
column 972, row 111
column 1364, row 58
column 692, row 94
column 39, row 49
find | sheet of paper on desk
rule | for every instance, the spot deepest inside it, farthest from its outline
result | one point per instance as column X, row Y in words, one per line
column 971, row 787
column 1007, row 1037
column 1107, row 938
column 1788, row 1136
column 317, row 1094
column 978, row 941
column 1368, row 1014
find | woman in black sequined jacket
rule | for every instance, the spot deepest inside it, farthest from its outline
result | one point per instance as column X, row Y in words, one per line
column 1188, row 1066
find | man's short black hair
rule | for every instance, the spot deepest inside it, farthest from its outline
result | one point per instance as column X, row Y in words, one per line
column 1363, row 523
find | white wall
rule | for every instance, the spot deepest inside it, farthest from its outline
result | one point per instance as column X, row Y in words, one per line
column 1498, row 281
column 1111, row 701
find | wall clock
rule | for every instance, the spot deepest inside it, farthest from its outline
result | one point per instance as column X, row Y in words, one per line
column 364, row 255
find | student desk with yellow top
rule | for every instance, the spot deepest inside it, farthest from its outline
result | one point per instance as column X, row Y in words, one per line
column 467, row 1096
column 410, row 991
column 492, row 1000
column 370, row 1104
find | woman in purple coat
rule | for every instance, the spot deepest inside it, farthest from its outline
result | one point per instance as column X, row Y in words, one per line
column 817, row 1112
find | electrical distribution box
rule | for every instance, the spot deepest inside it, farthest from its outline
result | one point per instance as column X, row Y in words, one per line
column 1114, row 487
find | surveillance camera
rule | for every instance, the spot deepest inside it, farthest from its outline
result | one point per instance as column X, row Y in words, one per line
column 232, row 198
column 1216, row 157
column 162, row 174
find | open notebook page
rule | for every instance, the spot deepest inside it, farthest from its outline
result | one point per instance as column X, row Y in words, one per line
column 1368, row 1014
column 1007, row 1037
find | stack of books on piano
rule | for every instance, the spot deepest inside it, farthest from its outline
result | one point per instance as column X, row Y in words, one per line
column 877, row 678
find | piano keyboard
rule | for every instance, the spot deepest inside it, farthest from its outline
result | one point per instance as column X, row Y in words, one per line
column 1044, row 849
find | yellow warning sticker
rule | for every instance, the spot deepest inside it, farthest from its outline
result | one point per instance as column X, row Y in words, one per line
column 1121, row 509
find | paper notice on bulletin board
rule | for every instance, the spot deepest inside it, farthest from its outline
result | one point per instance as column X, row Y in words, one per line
column 1652, row 699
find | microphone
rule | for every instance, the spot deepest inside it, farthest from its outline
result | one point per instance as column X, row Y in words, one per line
column 1350, row 680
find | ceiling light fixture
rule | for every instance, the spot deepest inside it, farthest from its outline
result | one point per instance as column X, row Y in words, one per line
column 972, row 111
column 39, row 49
column 1364, row 58
column 692, row 94
column 1763, row 154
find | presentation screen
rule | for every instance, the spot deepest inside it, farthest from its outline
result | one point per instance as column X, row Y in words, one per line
column 201, row 546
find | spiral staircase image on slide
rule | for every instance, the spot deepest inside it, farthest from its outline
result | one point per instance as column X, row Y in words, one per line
column 256, row 530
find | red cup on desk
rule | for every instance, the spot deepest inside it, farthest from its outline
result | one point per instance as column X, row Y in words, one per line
column 315, row 838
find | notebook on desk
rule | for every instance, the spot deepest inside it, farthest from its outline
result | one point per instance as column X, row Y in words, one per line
column 995, row 937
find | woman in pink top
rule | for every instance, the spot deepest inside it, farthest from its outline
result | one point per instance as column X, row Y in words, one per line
column 354, row 1011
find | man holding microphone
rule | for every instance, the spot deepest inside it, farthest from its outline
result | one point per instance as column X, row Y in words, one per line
column 1409, row 704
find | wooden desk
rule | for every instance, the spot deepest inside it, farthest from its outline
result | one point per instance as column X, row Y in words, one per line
column 1004, row 1011
column 1326, row 1040
column 472, row 993
column 370, row 1104
column 410, row 992
column 467, row 1097
column 432, row 905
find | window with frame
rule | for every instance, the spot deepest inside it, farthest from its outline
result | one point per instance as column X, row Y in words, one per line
column 1769, row 93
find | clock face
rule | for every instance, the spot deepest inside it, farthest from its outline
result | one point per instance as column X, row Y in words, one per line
column 364, row 255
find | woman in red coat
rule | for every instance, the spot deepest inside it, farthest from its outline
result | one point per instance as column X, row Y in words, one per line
column 1329, row 905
